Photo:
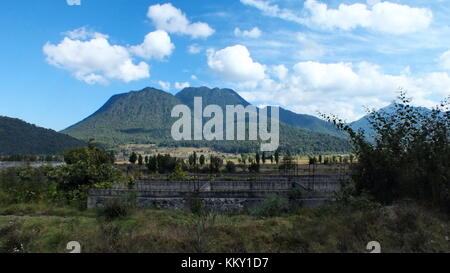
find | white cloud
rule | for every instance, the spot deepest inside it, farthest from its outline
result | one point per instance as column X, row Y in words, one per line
column 83, row 33
column 235, row 64
column 156, row 45
column 73, row 2
column 194, row 49
column 385, row 17
column 173, row 20
column 181, row 85
column 164, row 85
column 344, row 88
column 94, row 60
column 309, row 49
column 195, row 78
column 274, row 10
column 444, row 60
column 280, row 72
column 252, row 33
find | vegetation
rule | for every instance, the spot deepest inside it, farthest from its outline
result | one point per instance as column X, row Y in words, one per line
column 20, row 138
column 163, row 163
column 401, row 228
column 87, row 167
column 409, row 157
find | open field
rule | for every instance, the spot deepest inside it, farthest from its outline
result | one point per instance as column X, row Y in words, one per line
column 400, row 228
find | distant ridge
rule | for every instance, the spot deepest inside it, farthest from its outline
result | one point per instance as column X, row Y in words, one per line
column 364, row 124
column 18, row 137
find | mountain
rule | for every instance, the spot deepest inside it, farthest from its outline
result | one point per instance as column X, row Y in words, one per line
column 364, row 122
column 308, row 122
column 135, row 117
column 223, row 97
column 144, row 117
column 18, row 137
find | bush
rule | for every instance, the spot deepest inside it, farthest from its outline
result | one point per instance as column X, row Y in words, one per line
column 273, row 205
column 231, row 167
column 117, row 208
column 26, row 184
column 254, row 167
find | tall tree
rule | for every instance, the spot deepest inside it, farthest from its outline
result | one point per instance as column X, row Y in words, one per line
column 133, row 158
column 277, row 157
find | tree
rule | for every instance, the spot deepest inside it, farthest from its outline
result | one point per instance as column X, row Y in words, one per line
column 191, row 160
column 202, row 160
column 140, row 160
column 195, row 158
column 244, row 158
column 407, row 157
column 258, row 158
column 264, row 158
column 215, row 163
column 277, row 157
column 133, row 158
column 231, row 167
column 87, row 166
column 146, row 159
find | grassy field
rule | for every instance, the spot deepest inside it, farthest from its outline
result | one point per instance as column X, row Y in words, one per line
column 400, row 228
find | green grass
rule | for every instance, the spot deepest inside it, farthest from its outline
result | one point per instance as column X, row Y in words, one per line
column 42, row 229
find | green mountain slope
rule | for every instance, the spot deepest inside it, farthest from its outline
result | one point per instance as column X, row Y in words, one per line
column 134, row 117
column 143, row 117
column 223, row 97
column 19, row 137
column 308, row 122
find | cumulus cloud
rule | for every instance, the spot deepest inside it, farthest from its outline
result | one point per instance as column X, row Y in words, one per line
column 83, row 33
column 169, row 18
column 181, row 85
column 344, row 88
column 91, row 58
column 279, row 71
column 385, row 17
column 156, row 45
column 235, row 64
column 252, row 33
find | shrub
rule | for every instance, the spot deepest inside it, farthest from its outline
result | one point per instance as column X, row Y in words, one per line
column 117, row 208
column 231, row 167
column 273, row 205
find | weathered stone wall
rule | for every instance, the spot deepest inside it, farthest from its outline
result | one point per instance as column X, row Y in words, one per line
column 218, row 196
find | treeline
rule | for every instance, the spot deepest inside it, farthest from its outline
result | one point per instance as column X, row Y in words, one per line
column 86, row 167
column 31, row 158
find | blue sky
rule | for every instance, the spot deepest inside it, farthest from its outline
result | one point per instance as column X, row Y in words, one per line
column 61, row 62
